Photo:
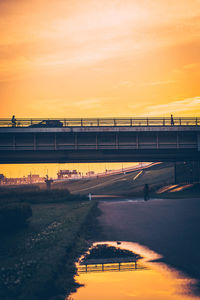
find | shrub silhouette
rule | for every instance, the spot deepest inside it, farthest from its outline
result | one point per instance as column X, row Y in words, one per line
column 105, row 251
column 14, row 216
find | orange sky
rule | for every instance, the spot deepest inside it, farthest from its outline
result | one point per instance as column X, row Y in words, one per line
column 103, row 58
column 21, row 170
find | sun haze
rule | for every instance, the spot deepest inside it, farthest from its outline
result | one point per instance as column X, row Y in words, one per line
column 99, row 58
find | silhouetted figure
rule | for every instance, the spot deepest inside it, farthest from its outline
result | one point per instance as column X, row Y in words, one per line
column 172, row 120
column 146, row 192
column 13, row 120
column 48, row 182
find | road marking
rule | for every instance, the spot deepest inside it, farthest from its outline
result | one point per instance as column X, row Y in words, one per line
column 136, row 176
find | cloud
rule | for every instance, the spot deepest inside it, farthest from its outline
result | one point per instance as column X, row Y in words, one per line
column 188, row 104
column 191, row 67
column 194, row 66
column 78, row 35
column 64, row 104
column 125, row 83
column 87, row 103
column 163, row 82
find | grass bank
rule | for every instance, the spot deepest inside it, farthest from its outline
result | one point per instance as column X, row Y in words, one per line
column 38, row 196
column 38, row 261
column 128, row 184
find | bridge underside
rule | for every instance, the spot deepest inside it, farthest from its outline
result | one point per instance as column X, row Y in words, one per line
column 83, row 156
column 99, row 144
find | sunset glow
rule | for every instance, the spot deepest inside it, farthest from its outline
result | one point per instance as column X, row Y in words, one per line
column 99, row 58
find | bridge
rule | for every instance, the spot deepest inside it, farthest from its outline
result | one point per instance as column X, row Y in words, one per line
column 99, row 140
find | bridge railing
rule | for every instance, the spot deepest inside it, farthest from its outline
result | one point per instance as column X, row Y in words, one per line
column 100, row 122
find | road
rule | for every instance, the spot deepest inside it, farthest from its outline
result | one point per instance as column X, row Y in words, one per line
column 169, row 227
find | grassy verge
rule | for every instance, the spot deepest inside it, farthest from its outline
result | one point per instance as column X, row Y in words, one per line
column 38, row 261
column 37, row 197
column 130, row 184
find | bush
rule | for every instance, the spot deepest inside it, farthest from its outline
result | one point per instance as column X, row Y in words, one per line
column 14, row 216
column 39, row 197
column 106, row 251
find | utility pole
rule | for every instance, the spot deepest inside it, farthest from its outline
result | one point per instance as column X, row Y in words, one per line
column 198, row 171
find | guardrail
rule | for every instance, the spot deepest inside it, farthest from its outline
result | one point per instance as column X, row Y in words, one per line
column 88, row 122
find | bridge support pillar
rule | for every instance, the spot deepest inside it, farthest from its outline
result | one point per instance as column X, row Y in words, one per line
column 198, row 141
column 175, row 173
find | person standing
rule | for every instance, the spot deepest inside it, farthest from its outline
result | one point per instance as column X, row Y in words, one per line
column 146, row 192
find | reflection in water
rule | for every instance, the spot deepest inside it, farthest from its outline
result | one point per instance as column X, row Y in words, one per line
column 147, row 280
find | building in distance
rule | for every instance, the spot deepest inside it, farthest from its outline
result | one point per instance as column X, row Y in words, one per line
column 62, row 174
column 30, row 179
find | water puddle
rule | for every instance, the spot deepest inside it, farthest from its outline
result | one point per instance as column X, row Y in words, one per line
column 125, row 277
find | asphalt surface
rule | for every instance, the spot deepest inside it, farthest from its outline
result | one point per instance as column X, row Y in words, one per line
column 170, row 227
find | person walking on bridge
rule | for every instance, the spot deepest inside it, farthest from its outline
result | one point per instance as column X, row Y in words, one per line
column 172, row 120
column 13, row 120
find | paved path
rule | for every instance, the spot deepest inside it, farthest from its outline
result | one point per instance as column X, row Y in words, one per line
column 170, row 227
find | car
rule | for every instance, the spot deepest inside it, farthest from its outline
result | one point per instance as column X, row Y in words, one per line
column 48, row 123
